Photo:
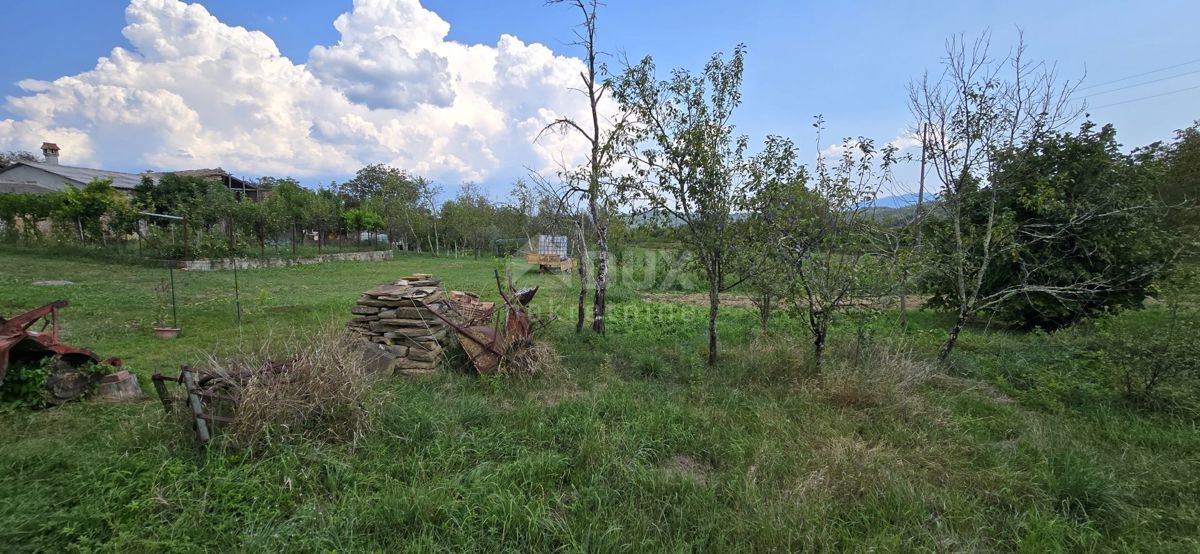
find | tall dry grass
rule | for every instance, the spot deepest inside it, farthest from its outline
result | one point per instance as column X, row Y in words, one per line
column 299, row 387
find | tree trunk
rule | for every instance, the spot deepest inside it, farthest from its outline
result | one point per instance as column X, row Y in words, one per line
column 764, row 313
column 583, row 289
column 714, row 301
column 952, row 338
column 293, row 240
column 819, row 349
column 599, row 305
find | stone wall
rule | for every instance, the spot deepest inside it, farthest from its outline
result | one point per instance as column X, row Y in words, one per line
column 219, row 264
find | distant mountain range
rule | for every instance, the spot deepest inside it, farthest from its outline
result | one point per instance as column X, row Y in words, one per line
column 898, row 201
column 890, row 210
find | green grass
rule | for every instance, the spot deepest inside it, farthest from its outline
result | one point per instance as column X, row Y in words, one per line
column 635, row 446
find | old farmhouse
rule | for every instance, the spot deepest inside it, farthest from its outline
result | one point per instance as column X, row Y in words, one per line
column 50, row 175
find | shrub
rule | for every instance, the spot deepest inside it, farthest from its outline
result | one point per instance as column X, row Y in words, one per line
column 1154, row 354
column 25, row 385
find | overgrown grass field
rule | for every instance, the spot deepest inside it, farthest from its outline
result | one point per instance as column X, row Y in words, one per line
column 631, row 445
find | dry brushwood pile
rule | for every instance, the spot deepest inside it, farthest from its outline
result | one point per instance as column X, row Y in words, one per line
column 400, row 330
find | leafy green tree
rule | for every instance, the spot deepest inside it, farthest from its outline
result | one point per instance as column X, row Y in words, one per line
column 396, row 195
column 362, row 219
column 1080, row 225
column 379, row 180
column 261, row 220
column 1180, row 187
column 687, row 163
column 818, row 229
column 83, row 208
column 171, row 193
column 212, row 211
column 290, row 202
column 123, row 218
column 324, row 214
column 469, row 219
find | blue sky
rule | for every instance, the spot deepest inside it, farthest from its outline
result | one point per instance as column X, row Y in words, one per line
column 847, row 61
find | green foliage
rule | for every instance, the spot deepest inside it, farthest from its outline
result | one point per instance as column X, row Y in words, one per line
column 471, row 220
column 82, row 209
column 362, row 219
column 1180, row 185
column 27, row 209
column 24, row 384
column 687, row 162
column 814, row 233
column 1155, row 358
column 1077, row 229
column 172, row 193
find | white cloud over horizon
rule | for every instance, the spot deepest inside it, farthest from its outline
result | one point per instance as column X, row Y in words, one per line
column 191, row 91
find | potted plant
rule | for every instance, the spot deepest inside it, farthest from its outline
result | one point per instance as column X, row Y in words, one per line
column 161, row 329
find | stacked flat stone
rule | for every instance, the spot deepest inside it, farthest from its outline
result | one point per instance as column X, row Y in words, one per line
column 396, row 323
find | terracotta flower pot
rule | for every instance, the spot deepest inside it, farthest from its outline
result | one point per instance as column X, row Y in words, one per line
column 166, row 332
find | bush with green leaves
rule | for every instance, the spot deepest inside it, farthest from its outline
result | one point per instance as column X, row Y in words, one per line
column 25, row 385
column 1154, row 359
column 1077, row 229
column 25, row 210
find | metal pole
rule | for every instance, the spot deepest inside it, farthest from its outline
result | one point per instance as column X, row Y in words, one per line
column 237, row 296
column 185, row 238
column 174, row 312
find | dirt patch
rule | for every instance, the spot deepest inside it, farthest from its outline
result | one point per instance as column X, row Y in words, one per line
column 697, row 299
column 915, row 302
column 696, row 471
column 958, row 384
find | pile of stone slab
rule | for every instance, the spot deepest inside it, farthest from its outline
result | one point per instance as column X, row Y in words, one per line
column 399, row 330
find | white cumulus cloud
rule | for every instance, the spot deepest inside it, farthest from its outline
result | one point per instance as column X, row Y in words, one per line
column 191, row 91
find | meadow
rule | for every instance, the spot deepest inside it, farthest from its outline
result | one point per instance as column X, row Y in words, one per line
column 632, row 444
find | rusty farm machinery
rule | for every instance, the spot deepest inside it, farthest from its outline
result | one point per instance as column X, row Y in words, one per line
column 21, row 344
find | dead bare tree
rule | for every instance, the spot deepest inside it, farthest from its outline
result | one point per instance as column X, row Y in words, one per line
column 978, row 107
column 914, row 226
column 428, row 198
column 560, row 196
column 600, row 156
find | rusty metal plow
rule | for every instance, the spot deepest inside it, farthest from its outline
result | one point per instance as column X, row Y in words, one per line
column 486, row 347
column 210, row 397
